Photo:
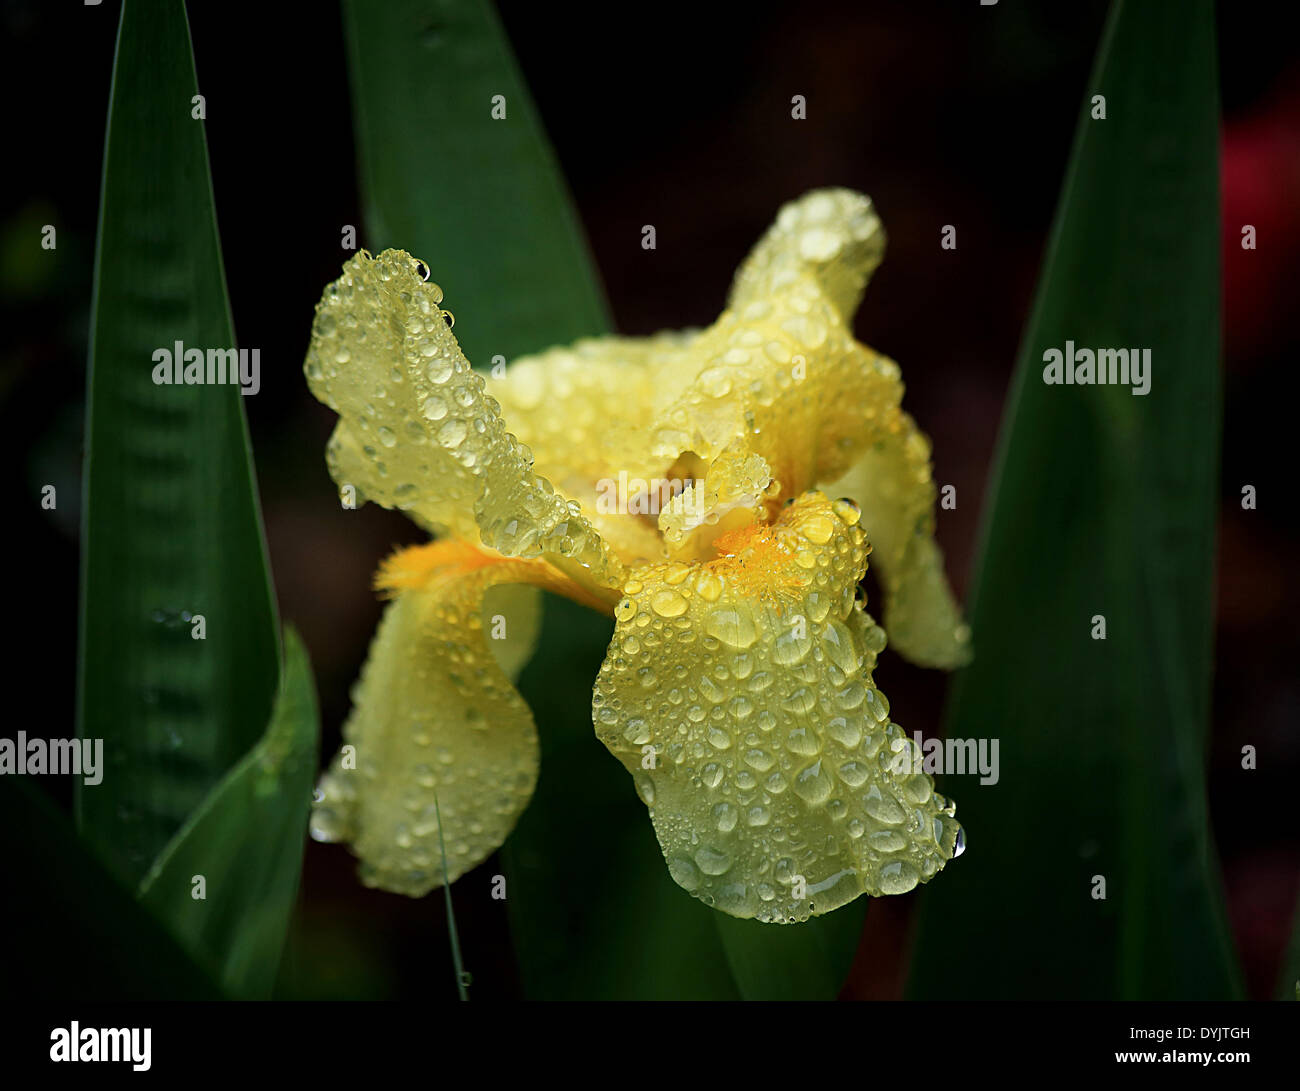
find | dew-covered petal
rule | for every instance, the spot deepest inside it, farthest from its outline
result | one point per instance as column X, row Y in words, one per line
column 574, row 406
column 780, row 372
column 436, row 724
column 778, row 379
column 739, row 695
column 832, row 237
column 892, row 484
column 582, row 410
column 785, row 377
column 417, row 430
column 514, row 609
column 780, row 367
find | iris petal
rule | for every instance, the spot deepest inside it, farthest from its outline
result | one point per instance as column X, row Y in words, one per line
column 436, row 724
column 892, row 484
column 739, row 695
column 417, row 430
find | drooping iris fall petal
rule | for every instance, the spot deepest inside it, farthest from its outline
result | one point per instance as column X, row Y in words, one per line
column 738, row 692
column 436, row 726
column 417, row 430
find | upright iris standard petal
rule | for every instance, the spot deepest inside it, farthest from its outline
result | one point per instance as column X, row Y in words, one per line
column 830, row 236
column 778, row 381
column 780, row 368
column 778, row 372
column 739, row 695
column 436, row 724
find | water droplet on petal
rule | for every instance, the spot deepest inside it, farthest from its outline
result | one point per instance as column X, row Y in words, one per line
column 731, row 627
column 712, row 861
column 668, row 604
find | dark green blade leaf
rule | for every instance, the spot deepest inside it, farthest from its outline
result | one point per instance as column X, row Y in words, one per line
column 171, row 526
column 481, row 200
column 246, row 841
column 594, row 912
column 75, row 932
column 1103, row 503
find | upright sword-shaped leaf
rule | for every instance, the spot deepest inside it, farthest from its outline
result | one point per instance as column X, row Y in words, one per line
column 1090, row 871
column 172, row 545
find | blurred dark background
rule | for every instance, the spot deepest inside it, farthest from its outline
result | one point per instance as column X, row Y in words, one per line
column 677, row 117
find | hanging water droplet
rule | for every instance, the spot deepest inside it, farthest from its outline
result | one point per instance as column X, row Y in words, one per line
column 898, row 877
column 685, row 874
column 645, row 788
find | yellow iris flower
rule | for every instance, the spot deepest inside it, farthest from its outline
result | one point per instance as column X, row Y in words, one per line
column 671, row 482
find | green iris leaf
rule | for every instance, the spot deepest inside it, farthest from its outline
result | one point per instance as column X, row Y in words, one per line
column 245, row 844
column 1090, row 872
column 172, row 545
